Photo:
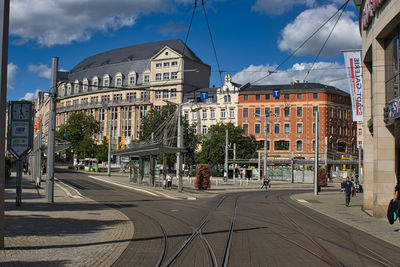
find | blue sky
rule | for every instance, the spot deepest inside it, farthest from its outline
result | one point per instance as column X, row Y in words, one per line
column 250, row 36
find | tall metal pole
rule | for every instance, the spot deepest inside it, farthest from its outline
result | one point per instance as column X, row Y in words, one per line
column 52, row 131
column 234, row 163
column 5, row 11
column 359, row 164
column 265, row 156
column 109, row 143
column 226, row 152
column 178, row 154
column 316, row 155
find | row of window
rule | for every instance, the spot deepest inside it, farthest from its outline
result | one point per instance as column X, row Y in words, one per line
column 167, row 76
column 299, row 129
column 166, row 93
column 341, row 114
column 204, row 114
column 167, row 64
column 104, row 83
column 299, row 96
column 285, row 96
column 277, row 112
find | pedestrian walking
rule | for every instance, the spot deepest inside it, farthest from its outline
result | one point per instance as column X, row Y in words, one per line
column 169, row 181
column 396, row 197
column 265, row 183
column 225, row 176
column 348, row 188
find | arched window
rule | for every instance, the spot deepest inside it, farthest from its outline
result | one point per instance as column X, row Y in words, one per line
column 118, row 79
column 62, row 90
column 76, row 87
column 106, row 80
column 85, row 85
column 69, row 88
column 95, row 83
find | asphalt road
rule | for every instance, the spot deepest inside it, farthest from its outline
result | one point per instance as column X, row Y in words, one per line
column 263, row 228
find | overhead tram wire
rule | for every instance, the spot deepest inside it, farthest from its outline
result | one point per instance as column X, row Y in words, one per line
column 212, row 41
column 323, row 45
column 298, row 48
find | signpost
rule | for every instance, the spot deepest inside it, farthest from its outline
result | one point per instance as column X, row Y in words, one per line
column 20, row 136
column 276, row 93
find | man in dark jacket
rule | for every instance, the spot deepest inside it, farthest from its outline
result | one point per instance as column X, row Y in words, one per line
column 396, row 197
column 348, row 187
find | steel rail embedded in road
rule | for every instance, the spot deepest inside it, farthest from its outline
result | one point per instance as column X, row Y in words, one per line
column 382, row 260
column 196, row 232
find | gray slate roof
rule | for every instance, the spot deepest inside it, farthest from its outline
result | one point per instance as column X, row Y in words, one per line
column 134, row 53
column 132, row 58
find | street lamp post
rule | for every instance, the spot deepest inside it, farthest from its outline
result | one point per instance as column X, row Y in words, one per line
column 265, row 156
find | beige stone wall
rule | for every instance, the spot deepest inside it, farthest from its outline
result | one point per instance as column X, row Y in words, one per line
column 379, row 147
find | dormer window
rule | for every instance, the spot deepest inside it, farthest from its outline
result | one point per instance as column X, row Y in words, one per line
column 132, row 78
column 69, row 88
column 146, row 78
column 106, row 80
column 62, row 90
column 95, row 83
column 118, row 80
column 85, row 85
column 76, row 87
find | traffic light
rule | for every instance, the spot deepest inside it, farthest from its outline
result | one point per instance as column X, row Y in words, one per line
column 386, row 114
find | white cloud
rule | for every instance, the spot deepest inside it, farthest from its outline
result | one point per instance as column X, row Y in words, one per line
column 51, row 22
column 31, row 96
column 277, row 7
column 11, row 75
column 329, row 73
column 172, row 28
column 346, row 34
column 42, row 70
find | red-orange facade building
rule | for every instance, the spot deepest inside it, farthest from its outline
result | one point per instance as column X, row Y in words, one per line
column 291, row 123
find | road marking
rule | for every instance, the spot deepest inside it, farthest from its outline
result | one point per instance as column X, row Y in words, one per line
column 66, row 191
column 125, row 186
column 165, row 195
column 302, row 201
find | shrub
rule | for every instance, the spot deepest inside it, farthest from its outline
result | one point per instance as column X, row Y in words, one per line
column 202, row 177
column 322, row 177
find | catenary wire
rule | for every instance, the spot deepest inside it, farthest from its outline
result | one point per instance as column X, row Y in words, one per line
column 326, row 40
column 298, row 48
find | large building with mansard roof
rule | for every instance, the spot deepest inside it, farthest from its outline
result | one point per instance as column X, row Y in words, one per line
column 129, row 81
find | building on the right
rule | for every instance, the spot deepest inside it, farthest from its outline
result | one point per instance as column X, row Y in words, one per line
column 379, row 23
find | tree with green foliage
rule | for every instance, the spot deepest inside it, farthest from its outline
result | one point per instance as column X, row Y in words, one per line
column 79, row 131
column 102, row 150
column 213, row 145
column 154, row 118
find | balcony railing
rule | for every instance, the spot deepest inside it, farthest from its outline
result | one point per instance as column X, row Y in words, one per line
column 116, row 103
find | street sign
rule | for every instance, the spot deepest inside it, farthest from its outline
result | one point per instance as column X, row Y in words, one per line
column 276, row 93
column 203, row 95
column 20, row 130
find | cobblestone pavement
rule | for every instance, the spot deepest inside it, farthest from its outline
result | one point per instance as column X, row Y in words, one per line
column 73, row 231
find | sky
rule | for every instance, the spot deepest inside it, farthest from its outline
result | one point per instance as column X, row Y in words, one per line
column 252, row 38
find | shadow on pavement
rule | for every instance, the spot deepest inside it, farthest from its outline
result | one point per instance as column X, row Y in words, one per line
column 34, row 263
column 42, row 225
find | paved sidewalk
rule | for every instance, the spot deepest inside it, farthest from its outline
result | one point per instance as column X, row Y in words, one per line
column 73, row 231
column 332, row 204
